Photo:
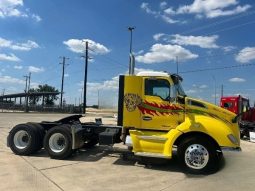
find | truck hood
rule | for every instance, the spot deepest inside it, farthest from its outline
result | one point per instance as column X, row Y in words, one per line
column 206, row 108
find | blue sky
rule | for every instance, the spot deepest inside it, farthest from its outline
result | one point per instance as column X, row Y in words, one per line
column 202, row 34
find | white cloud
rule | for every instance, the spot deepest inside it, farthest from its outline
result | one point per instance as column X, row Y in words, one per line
column 246, row 55
column 145, row 6
column 16, row 8
column 203, row 86
column 201, row 41
column 170, row 11
column 26, row 46
column 10, row 80
column 37, row 18
column 18, row 67
column 158, row 14
column 78, row 46
column 112, row 84
column 237, row 80
column 163, row 53
column 163, row 5
column 168, row 19
column 191, row 91
column 228, row 48
column 34, row 69
column 213, row 8
column 66, row 75
column 139, row 52
column 11, row 58
column 158, row 36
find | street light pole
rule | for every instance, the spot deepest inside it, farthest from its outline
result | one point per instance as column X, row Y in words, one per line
column 131, row 38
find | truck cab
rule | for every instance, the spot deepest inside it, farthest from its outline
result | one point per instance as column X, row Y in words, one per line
column 235, row 104
column 157, row 115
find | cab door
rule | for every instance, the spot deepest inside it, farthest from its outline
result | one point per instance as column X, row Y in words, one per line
column 159, row 111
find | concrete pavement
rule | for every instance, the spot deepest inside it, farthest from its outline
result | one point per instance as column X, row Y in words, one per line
column 103, row 169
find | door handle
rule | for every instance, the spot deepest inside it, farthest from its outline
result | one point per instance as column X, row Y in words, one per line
column 147, row 118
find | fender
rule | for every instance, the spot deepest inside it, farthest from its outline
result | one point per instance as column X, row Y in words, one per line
column 215, row 128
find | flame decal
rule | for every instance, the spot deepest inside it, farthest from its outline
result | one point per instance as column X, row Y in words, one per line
column 159, row 109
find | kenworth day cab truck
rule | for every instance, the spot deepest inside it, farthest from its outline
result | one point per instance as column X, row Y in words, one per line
column 154, row 116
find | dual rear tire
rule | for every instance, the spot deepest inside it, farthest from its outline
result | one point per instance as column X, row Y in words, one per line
column 58, row 142
column 27, row 139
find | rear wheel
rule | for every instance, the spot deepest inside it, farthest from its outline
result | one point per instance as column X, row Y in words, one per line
column 58, row 142
column 23, row 140
column 198, row 155
column 39, row 134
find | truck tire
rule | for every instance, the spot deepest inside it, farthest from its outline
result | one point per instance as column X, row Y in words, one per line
column 198, row 155
column 23, row 139
column 58, row 142
column 39, row 134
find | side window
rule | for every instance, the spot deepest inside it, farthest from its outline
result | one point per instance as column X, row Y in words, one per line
column 157, row 87
column 228, row 105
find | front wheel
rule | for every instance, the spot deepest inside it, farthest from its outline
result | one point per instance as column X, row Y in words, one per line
column 198, row 155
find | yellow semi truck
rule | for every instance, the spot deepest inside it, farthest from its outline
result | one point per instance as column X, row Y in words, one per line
column 155, row 117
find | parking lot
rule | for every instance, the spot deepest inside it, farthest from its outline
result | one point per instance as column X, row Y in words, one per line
column 102, row 168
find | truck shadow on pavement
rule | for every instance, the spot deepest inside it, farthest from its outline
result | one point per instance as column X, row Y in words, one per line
column 125, row 158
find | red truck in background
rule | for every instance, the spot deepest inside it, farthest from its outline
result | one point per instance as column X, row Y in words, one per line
column 241, row 106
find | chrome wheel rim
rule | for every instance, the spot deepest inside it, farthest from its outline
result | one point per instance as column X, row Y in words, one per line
column 21, row 139
column 196, row 156
column 57, row 142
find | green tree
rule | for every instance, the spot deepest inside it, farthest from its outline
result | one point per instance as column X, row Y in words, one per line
column 33, row 99
column 48, row 99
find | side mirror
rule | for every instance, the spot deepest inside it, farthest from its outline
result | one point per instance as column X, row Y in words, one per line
column 181, row 99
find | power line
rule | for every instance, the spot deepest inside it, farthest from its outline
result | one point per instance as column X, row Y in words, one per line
column 211, row 25
column 230, row 28
column 219, row 22
column 111, row 59
column 218, row 68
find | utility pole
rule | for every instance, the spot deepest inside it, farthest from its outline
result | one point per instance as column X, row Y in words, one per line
column 177, row 65
column 62, row 82
column 214, row 89
column 3, row 92
column 28, row 78
column 222, row 90
column 97, row 98
column 86, row 58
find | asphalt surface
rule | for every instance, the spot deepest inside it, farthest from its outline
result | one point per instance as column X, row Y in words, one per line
column 103, row 168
